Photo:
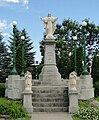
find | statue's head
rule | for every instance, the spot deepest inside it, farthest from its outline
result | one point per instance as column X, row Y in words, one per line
column 28, row 75
column 72, row 74
column 49, row 14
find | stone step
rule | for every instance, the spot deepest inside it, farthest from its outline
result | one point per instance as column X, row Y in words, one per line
column 50, row 109
column 45, row 83
column 50, row 104
column 36, row 82
column 49, row 89
column 49, row 95
column 50, row 99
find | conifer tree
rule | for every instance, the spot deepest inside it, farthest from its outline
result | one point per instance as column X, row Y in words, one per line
column 95, row 73
column 4, row 60
column 28, row 51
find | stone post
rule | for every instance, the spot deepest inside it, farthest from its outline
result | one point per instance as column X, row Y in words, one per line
column 27, row 93
column 73, row 101
column 73, row 94
column 87, row 90
column 27, row 101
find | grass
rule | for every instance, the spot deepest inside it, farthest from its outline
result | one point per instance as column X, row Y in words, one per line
column 84, row 103
column 76, row 117
column 14, row 109
column 97, row 99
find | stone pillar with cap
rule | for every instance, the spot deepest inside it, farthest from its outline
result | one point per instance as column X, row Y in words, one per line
column 73, row 93
column 27, row 93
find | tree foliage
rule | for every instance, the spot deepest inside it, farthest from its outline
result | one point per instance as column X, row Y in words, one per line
column 4, row 60
column 28, row 50
column 65, row 45
column 95, row 73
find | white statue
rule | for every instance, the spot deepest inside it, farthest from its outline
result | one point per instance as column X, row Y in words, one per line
column 49, row 25
column 28, row 81
column 72, row 80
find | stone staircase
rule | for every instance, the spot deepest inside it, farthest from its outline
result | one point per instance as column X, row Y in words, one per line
column 50, row 98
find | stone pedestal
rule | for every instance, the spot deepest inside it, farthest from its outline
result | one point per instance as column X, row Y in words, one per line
column 27, row 101
column 73, row 101
column 87, row 90
column 15, row 87
column 50, row 74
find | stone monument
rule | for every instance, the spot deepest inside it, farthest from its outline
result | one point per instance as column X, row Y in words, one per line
column 49, row 74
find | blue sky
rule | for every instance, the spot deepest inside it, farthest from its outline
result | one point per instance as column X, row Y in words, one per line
column 27, row 13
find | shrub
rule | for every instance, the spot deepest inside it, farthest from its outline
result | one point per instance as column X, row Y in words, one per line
column 84, row 103
column 89, row 113
column 2, row 89
column 76, row 117
column 12, row 108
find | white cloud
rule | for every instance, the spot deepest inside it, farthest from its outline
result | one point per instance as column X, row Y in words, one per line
column 3, row 24
column 21, row 2
column 11, row 1
column 25, row 3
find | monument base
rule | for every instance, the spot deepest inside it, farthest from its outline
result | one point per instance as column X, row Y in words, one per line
column 14, row 87
column 50, row 75
column 87, row 90
column 86, row 94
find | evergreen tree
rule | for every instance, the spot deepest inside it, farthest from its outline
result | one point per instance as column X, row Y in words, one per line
column 29, row 54
column 4, row 61
column 28, row 51
column 79, row 58
column 95, row 73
